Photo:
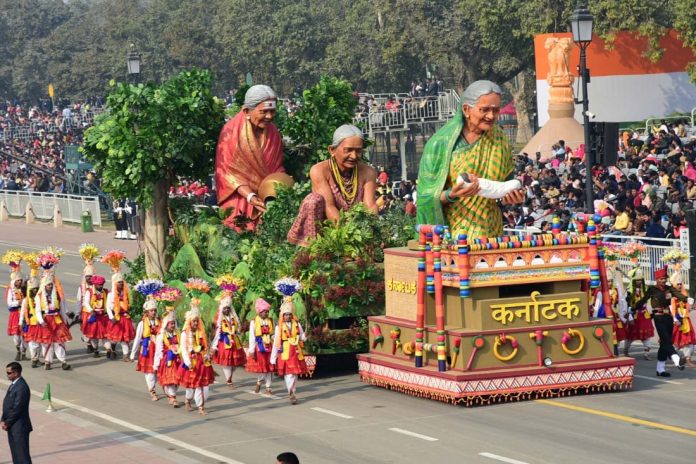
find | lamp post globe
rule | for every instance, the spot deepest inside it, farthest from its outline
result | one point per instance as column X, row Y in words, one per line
column 581, row 22
column 133, row 60
column 581, row 25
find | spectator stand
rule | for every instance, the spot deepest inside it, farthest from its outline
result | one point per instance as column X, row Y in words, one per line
column 402, row 121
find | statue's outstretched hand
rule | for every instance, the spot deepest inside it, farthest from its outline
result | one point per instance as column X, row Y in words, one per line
column 466, row 189
column 513, row 198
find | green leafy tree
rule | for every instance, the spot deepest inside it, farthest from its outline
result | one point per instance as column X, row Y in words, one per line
column 150, row 135
column 323, row 108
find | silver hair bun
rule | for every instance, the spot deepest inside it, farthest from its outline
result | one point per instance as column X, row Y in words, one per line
column 344, row 132
column 477, row 90
column 258, row 94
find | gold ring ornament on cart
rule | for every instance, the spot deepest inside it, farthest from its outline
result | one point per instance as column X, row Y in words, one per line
column 502, row 340
column 567, row 336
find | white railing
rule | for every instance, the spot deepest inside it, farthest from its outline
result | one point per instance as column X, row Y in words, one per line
column 411, row 110
column 648, row 261
column 651, row 259
column 71, row 206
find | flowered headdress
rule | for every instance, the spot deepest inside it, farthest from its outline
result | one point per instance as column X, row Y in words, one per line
column 149, row 288
column 228, row 284
column 49, row 257
column 612, row 251
column 33, row 281
column 287, row 286
column 114, row 258
column 14, row 258
column 196, row 287
column 675, row 256
column 633, row 249
column 89, row 252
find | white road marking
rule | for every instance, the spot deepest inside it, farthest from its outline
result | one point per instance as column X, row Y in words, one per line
column 501, row 458
column 265, row 395
column 137, row 428
column 413, row 434
column 73, row 274
column 655, row 379
column 333, row 413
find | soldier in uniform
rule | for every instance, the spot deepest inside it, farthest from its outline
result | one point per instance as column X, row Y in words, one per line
column 659, row 298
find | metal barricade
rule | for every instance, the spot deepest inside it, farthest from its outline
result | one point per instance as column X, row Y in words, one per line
column 71, row 206
column 648, row 261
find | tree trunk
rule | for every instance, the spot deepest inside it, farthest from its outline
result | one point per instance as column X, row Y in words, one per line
column 522, row 96
column 156, row 227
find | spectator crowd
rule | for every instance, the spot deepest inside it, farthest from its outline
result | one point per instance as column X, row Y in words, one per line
column 32, row 144
column 646, row 194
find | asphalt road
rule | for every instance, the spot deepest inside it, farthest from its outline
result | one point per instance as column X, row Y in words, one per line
column 341, row 420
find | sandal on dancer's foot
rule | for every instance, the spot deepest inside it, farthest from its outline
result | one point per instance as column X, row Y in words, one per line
column 257, row 388
column 154, row 397
column 188, row 406
column 293, row 399
column 646, row 354
column 202, row 411
column 269, row 391
column 230, row 385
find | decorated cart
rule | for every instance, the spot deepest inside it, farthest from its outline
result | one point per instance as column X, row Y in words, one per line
column 497, row 319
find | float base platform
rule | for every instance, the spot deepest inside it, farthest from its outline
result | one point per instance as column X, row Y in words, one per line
column 491, row 386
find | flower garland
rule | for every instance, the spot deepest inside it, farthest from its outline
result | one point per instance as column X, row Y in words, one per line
column 675, row 256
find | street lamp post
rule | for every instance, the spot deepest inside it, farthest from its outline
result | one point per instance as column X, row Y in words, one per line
column 133, row 60
column 581, row 26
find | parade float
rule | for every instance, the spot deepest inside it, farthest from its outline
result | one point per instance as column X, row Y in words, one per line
column 341, row 271
column 493, row 320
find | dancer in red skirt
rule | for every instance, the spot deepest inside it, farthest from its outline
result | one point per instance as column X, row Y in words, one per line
column 642, row 327
column 226, row 346
column 683, row 335
column 167, row 359
column 289, row 339
column 144, row 345
column 260, row 346
column 50, row 313
column 120, row 327
column 14, row 296
column 29, row 322
column 617, row 298
column 195, row 373
column 87, row 273
column 88, row 253
column 97, row 319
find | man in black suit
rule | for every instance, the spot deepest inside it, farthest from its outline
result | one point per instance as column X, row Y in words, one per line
column 15, row 414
